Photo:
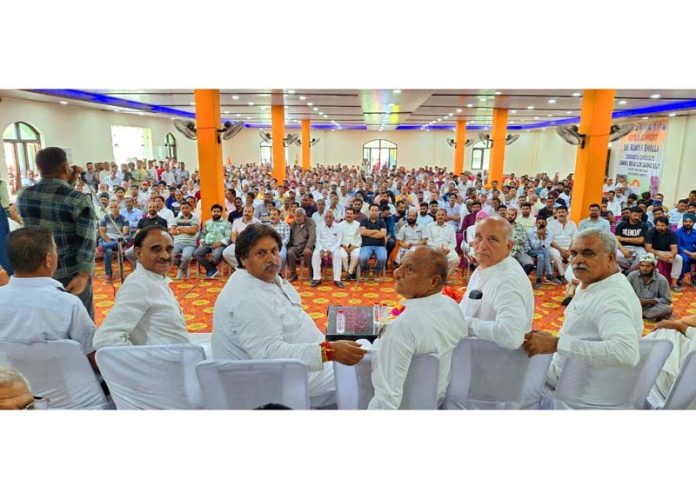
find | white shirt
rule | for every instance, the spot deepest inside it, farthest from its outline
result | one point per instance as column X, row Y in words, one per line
column 440, row 235
column 563, row 235
column 614, row 207
column 167, row 214
column 318, row 217
column 351, row 234
column 432, row 324
column 254, row 319
column 329, row 238
column 239, row 224
column 609, row 313
column 506, row 311
column 34, row 309
column 145, row 312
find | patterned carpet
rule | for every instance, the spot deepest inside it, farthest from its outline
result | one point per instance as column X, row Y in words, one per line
column 197, row 298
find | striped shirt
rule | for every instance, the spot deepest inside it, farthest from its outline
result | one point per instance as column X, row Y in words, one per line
column 284, row 230
column 70, row 215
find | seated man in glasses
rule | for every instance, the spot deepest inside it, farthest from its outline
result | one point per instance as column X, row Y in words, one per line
column 15, row 393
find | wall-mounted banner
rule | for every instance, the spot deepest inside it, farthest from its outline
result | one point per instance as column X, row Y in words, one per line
column 641, row 156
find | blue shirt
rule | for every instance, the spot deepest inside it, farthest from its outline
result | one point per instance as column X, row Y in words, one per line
column 686, row 240
column 133, row 217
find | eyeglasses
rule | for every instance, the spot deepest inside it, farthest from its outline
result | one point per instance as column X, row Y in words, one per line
column 39, row 403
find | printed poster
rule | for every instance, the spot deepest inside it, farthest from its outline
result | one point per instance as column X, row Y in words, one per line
column 642, row 155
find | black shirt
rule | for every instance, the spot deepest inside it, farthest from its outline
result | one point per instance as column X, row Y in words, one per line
column 661, row 242
column 545, row 213
column 234, row 215
column 378, row 225
column 625, row 229
column 144, row 223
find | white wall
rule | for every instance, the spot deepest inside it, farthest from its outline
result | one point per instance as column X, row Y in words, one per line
column 87, row 133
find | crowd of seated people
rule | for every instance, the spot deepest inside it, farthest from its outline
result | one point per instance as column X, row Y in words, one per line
column 419, row 221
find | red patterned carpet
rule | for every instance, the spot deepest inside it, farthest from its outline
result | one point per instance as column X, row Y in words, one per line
column 197, row 298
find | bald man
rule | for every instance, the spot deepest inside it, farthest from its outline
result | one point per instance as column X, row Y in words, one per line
column 499, row 298
column 430, row 323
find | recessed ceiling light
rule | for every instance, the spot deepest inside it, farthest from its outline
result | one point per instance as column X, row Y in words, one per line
column 645, row 117
column 655, row 96
column 238, row 115
column 193, row 104
column 459, row 110
column 482, row 99
column 310, row 104
column 141, row 114
column 549, row 115
column 469, row 105
column 498, row 93
column 226, row 112
column 396, row 91
column 672, row 115
column 569, row 112
column 513, row 111
column 552, row 101
column 302, row 97
column 291, row 91
column 248, row 117
column 251, row 103
column 65, row 103
column 235, row 97
column 622, row 102
column 451, row 114
column 530, row 107
column 473, row 121
column 536, row 117
column 576, row 94
column 439, row 119
column 315, row 109
column 512, row 121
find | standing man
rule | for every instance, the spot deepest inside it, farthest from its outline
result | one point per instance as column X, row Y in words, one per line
column 55, row 204
column 603, row 323
column 499, row 297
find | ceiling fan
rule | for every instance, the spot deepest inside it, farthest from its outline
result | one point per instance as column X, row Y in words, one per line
column 311, row 142
column 571, row 133
column 228, row 130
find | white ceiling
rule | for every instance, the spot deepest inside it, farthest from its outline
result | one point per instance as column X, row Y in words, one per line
column 377, row 109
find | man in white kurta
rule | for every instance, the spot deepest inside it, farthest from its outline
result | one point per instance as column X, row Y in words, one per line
column 430, row 323
column 682, row 334
column 258, row 315
column 503, row 312
column 563, row 232
column 329, row 235
column 603, row 323
column 351, row 240
column 441, row 237
column 145, row 311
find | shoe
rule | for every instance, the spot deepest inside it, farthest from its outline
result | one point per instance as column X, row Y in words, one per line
column 212, row 274
column 563, row 280
column 553, row 281
column 566, row 301
column 528, row 268
column 315, row 283
column 108, row 278
column 353, row 276
column 678, row 288
column 292, row 278
column 537, row 284
column 339, row 284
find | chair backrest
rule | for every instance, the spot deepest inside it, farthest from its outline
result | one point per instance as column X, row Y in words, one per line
column 420, row 386
column 248, row 384
column 346, row 386
column 152, row 376
column 57, row 370
column 585, row 387
column 683, row 393
column 487, row 376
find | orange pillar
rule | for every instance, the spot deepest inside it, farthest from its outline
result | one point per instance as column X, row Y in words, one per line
column 495, row 169
column 209, row 150
column 278, row 132
column 306, row 158
column 460, row 147
column 591, row 160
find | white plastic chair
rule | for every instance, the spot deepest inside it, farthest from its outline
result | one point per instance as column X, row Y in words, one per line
column 346, row 379
column 683, row 392
column 584, row 387
column 152, row 376
column 203, row 340
column 248, row 384
column 420, row 386
column 57, row 370
column 487, row 376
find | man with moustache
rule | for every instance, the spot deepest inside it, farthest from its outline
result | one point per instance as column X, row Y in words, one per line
column 152, row 218
column 603, row 322
column 146, row 311
column 258, row 315
column 410, row 235
column 215, row 236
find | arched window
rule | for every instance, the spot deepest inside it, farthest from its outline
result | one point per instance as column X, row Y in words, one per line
column 170, row 145
column 21, row 142
column 266, row 153
column 380, row 153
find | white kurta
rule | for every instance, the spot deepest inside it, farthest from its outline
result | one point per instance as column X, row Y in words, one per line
column 506, row 311
column 254, row 319
column 145, row 312
column 351, row 233
column 602, row 326
column 682, row 346
column 432, row 324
